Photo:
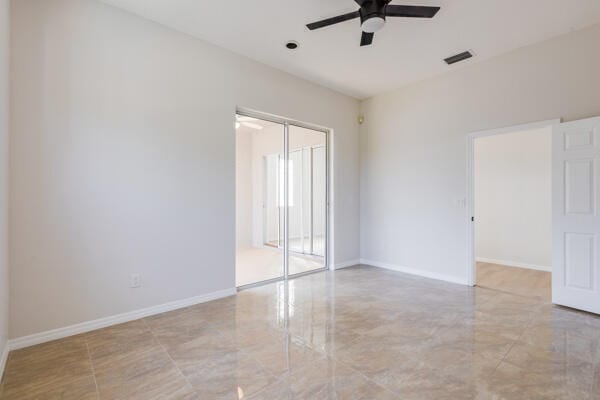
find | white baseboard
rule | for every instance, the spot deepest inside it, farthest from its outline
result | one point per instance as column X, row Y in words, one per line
column 54, row 334
column 514, row 264
column 346, row 264
column 3, row 359
column 417, row 272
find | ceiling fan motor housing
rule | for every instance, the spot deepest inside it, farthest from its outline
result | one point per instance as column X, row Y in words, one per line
column 372, row 16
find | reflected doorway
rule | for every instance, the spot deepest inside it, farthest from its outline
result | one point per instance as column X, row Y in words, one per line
column 281, row 199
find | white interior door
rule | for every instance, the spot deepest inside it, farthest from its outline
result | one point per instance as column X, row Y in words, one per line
column 576, row 218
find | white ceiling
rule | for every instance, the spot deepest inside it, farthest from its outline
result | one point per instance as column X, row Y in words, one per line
column 404, row 51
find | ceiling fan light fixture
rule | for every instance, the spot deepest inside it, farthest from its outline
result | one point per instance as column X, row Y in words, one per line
column 373, row 24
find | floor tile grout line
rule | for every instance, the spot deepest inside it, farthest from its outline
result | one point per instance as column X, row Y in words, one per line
column 87, row 346
column 328, row 356
column 168, row 355
column 246, row 353
column 514, row 343
column 277, row 377
column 337, row 360
column 535, row 298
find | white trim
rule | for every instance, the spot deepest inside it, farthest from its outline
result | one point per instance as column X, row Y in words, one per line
column 417, row 272
column 514, row 264
column 516, row 128
column 470, row 212
column 54, row 334
column 344, row 264
column 3, row 360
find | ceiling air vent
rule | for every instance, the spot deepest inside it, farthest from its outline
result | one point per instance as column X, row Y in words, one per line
column 458, row 57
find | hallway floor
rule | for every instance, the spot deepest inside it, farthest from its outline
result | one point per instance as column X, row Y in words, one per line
column 356, row 333
column 521, row 281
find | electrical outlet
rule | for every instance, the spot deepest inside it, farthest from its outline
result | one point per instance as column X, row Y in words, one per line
column 135, row 280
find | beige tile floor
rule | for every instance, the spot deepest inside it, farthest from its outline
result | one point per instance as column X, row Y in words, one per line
column 521, row 281
column 257, row 264
column 358, row 333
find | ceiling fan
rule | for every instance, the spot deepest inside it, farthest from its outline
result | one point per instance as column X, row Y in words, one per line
column 372, row 15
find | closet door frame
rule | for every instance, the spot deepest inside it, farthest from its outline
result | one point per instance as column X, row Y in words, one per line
column 286, row 123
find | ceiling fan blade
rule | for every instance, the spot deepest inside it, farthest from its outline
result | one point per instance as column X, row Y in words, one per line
column 333, row 20
column 411, row 11
column 366, row 39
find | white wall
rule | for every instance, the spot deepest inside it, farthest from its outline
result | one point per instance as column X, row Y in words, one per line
column 513, row 199
column 123, row 160
column 4, row 102
column 243, row 193
column 413, row 145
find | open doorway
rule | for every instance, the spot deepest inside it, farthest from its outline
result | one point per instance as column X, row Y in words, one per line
column 511, row 206
column 281, row 199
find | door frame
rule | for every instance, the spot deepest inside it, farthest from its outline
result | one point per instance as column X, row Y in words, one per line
column 470, row 199
column 330, row 205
